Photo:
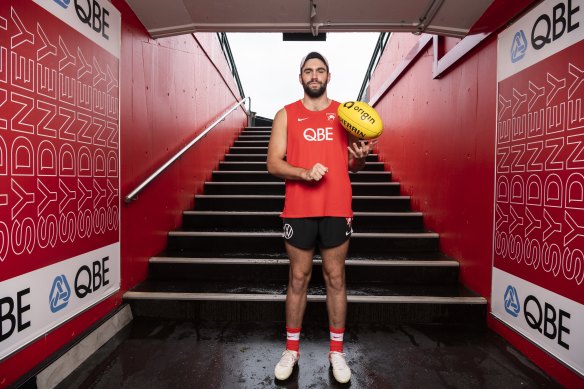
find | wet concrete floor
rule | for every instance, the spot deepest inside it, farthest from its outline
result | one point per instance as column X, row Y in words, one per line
column 168, row 354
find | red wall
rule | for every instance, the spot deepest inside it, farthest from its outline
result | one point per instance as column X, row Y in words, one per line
column 439, row 143
column 443, row 129
column 178, row 87
column 171, row 89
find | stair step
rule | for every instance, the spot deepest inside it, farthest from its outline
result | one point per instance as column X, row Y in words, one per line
column 249, row 129
column 250, row 175
column 251, row 143
column 278, row 188
column 248, row 150
column 276, row 291
column 262, row 166
column 211, row 243
column 245, row 157
column 265, row 221
column 255, row 141
column 215, row 301
column 431, row 261
column 254, row 137
column 255, row 133
column 363, row 271
column 276, row 203
column 261, row 157
column 236, row 150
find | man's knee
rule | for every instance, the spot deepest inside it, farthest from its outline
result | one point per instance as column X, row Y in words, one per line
column 299, row 281
column 335, row 280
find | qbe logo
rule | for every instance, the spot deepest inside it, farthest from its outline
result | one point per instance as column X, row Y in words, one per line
column 63, row 3
column 92, row 13
column 518, row 46
column 512, row 304
column 318, row 134
column 549, row 27
column 60, row 294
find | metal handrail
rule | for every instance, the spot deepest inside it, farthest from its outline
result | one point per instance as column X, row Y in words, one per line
column 377, row 52
column 132, row 196
column 224, row 42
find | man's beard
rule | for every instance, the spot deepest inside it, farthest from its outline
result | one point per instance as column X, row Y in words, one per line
column 314, row 92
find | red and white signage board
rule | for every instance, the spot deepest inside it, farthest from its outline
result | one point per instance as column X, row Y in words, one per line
column 538, row 240
column 59, row 163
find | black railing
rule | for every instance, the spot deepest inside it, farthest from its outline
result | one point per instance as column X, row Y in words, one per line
column 229, row 57
column 379, row 47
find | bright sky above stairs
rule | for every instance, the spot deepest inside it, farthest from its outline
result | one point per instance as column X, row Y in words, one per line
column 268, row 67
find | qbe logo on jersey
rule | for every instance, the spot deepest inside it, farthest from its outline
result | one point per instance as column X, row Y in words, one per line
column 318, row 134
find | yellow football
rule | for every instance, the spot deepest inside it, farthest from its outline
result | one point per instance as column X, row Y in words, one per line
column 360, row 119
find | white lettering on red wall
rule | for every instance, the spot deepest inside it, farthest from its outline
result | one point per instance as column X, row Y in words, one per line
column 538, row 240
column 59, row 163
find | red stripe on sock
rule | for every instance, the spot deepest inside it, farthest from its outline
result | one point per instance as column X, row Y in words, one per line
column 336, row 345
column 292, row 344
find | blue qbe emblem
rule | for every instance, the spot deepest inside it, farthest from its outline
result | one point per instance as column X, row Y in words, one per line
column 60, row 294
column 512, row 305
column 63, row 3
column 518, row 47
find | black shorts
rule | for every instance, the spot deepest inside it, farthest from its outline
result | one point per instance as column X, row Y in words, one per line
column 306, row 233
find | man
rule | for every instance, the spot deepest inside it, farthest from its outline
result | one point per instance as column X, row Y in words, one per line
column 310, row 149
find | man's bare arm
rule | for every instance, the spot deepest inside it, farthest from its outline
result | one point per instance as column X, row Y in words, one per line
column 277, row 164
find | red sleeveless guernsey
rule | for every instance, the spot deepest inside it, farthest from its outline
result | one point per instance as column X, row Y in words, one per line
column 317, row 136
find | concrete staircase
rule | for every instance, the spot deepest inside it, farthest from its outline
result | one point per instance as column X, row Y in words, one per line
column 228, row 263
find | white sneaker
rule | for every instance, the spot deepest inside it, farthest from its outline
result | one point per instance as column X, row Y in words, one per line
column 341, row 371
column 286, row 365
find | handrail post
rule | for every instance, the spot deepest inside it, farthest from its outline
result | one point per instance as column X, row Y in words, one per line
column 250, row 115
column 133, row 194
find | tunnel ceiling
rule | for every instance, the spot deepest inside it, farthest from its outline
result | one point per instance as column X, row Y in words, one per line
column 442, row 17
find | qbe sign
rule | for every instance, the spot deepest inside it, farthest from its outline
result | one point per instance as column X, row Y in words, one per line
column 538, row 237
column 59, row 163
